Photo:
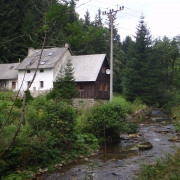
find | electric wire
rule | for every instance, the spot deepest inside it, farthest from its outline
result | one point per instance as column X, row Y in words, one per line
column 144, row 14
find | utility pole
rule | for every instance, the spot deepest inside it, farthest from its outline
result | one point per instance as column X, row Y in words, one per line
column 111, row 16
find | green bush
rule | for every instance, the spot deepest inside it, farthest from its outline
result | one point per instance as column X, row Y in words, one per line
column 58, row 118
column 106, row 122
column 48, row 137
column 28, row 96
column 177, row 126
column 18, row 103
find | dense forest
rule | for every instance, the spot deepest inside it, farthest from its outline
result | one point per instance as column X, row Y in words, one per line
column 144, row 67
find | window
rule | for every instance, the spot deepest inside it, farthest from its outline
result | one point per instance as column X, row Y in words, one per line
column 103, row 69
column 41, row 70
column 51, row 53
column 42, row 62
column 41, row 84
column 13, row 85
column 28, row 71
column 100, row 86
column 80, row 87
column 105, row 87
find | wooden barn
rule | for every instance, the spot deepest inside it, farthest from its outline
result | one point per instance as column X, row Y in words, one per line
column 90, row 75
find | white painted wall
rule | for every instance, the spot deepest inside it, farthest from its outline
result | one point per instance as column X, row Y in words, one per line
column 46, row 76
column 8, row 84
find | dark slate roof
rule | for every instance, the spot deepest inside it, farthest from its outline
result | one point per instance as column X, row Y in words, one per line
column 87, row 67
column 48, row 59
column 8, row 71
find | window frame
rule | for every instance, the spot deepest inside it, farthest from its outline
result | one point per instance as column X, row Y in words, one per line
column 103, row 69
column 105, row 87
column 100, row 87
column 13, row 85
column 41, row 84
column 80, row 87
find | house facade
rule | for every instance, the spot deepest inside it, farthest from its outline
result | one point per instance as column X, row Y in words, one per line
column 89, row 72
column 90, row 76
column 9, row 76
column 49, row 64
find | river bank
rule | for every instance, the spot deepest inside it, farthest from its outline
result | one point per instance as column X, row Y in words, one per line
column 121, row 162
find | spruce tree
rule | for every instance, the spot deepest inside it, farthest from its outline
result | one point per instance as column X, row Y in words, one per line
column 65, row 87
column 136, row 71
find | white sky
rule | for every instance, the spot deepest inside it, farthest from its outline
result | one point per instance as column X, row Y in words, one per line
column 162, row 16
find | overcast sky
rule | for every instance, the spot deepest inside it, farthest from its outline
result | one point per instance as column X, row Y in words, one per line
column 162, row 16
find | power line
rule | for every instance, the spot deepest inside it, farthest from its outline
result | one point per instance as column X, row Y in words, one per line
column 111, row 5
column 121, row 15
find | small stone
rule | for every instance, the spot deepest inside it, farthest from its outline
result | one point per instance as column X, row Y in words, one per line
column 173, row 139
column 145, row 146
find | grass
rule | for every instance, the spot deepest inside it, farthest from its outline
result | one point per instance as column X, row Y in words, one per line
column 128, row 106
column 118, row 98
column 167, row 169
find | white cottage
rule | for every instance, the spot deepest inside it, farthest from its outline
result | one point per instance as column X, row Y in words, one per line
column 9, row 76
column 48, row 68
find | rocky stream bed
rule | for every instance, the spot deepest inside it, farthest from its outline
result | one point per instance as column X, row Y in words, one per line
column 122, row 161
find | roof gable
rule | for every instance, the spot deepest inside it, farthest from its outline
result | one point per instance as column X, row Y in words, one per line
column 87, row 67
column 8, row 71
column 49, row 58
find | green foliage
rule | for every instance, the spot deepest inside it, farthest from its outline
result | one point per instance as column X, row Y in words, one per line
column 6, row 102
column 58, row 118
column 162, row 169
column 106, row 122
column 47, row 138
column 128, row 107
column 65, row 86
column 135, row 73
column 20, row 176
column 177, row 125
column 28, row 96
column 85, row 144
column 18, row 103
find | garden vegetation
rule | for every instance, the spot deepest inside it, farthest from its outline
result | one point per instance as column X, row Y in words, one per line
column 53, row 131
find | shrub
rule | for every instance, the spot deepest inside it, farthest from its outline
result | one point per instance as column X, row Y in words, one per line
column 18, row 103
column 105, row 122
column 28, row 96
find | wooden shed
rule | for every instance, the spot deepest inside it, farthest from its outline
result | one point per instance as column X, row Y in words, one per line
column 90, row 75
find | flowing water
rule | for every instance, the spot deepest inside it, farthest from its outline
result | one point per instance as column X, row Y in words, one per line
column 121, row 162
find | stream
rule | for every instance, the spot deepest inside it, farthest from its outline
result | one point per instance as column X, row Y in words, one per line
column 122, row 162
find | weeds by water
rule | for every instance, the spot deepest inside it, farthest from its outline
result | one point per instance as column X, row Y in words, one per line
column 167, row 169
column 91, row 171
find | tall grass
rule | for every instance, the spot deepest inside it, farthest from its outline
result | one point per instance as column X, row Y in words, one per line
column 166, row 169
column 129, row 107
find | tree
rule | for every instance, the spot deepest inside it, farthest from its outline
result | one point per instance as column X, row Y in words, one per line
column 135, row 73
column 21, row 21
column 87, row 18
column 65, row 87
column 98, row 19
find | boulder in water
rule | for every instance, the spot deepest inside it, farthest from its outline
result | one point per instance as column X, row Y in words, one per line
column 145, row 146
